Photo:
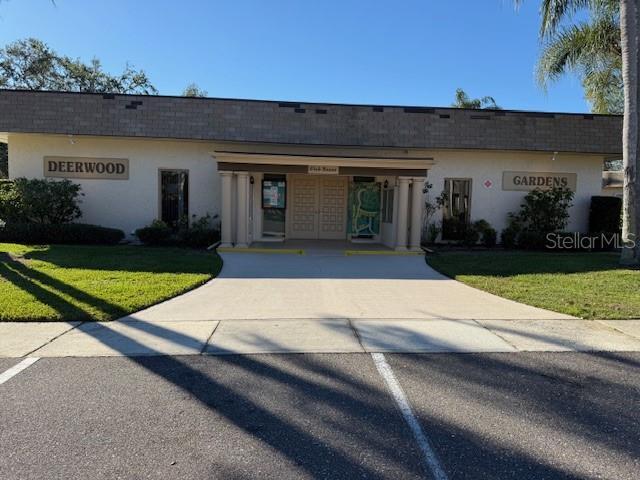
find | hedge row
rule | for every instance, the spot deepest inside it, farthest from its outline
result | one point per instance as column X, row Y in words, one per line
column 69, row 233
column 160, row 234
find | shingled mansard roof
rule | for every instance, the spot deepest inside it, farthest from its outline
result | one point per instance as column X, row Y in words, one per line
column 306, row 123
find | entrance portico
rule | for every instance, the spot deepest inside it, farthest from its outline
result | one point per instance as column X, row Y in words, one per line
column 362, row 195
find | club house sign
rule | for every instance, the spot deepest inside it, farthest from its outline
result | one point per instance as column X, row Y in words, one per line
column 526, row 181
column 81, row 167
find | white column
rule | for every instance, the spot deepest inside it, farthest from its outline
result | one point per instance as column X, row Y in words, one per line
column 242, row 210
column 416, row 213
column 403, row 213
column 226, row 221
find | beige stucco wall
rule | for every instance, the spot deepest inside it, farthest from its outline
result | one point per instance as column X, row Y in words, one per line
column 493, row 204
column 124, row 204
column 130, row 204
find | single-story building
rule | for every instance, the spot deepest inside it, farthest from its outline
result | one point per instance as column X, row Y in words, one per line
column 283, row 170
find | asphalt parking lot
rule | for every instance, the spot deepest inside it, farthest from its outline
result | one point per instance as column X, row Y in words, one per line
column 511, row 415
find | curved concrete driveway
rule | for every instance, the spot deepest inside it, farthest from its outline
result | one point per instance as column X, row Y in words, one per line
column 330, row 285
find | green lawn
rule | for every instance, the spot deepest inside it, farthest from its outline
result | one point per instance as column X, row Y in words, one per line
column 589, row 285
column 64, row 282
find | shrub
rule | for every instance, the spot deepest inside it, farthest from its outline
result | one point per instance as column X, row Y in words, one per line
column 39, row 201
column 532, row 240
column 470, row 236
column 10, row 204
column 509, row 236
column 481, row 225
column 541, row 213
column 546, row 210
column 431, row 207
column 201, row 233
column 488, row 235
column 605, row 215
column 454, row 229
column 433, row 230
column 60, row 233
column 200, row 238
column 156, row 233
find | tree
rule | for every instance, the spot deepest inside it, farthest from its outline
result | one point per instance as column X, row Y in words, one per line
column 553, row 13
column 31, row 64
column 629, row 23
column 464, row 101
column 193, row 90
column 591, row 49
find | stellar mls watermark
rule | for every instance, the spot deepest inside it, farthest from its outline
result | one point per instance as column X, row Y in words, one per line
column 582, row 241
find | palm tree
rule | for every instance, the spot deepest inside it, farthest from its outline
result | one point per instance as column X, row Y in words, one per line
column 465, row 101
column 592, row 50
column 554, row 12
column 629, row 22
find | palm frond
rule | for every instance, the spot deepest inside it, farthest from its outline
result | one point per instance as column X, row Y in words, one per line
column 578, row 48
column 554, row 12
column 603, row 89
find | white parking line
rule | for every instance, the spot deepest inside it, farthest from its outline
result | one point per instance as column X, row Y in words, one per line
column 429, row 455
column 16, row 369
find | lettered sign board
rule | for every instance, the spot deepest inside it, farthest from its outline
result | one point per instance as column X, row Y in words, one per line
column 527, row 181
column 84, row 167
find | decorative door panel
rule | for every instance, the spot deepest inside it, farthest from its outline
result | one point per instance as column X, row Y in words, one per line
column 333, row 208
column 304, row 207
column 364, row 209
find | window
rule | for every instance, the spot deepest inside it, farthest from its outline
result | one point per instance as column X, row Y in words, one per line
column 387, row 205
column 457, row 205
column 274, row 196
column 174, row 196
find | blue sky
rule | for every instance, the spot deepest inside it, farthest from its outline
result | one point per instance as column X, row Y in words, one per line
column 413, row 52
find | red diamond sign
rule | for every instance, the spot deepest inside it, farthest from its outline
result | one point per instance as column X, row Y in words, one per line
column 488, row 184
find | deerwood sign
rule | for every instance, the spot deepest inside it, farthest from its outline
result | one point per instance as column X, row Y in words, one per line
column 83, row 167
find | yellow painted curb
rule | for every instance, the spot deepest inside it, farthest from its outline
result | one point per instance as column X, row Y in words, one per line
column 379, row 252
column 290, row 251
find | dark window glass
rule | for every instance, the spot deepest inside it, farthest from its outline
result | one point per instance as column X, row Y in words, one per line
column 387, row 205
column 174, row 191
column 364, row 179
column 457, row 205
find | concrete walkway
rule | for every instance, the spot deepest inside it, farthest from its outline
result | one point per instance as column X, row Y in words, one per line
column 326, row 284
column 324, row 302
column 139, row 338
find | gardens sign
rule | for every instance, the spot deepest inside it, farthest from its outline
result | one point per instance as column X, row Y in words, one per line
column 527, row 181
column 81, row 167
